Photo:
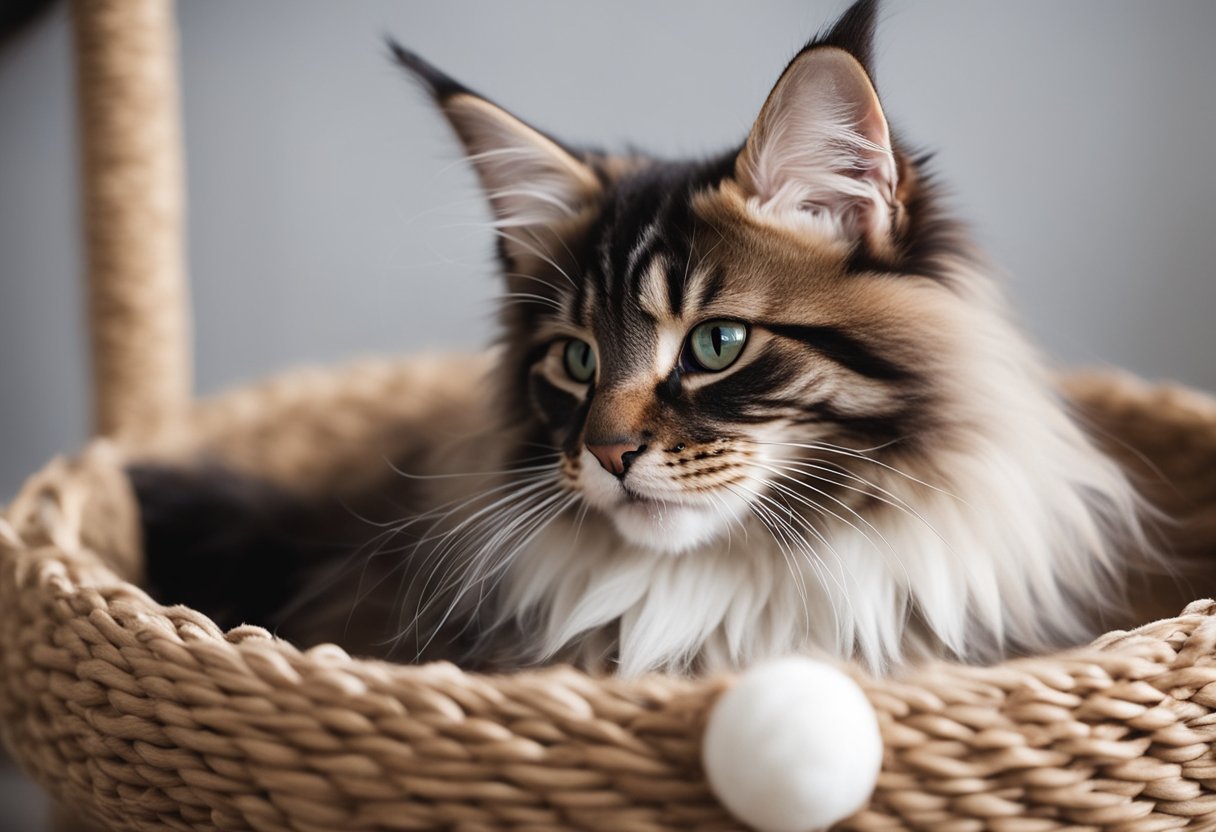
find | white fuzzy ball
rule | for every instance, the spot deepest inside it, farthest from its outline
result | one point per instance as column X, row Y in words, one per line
column 793, row 746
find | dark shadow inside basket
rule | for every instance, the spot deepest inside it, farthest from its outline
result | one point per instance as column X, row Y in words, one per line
column 323, row 438
column 306, row 473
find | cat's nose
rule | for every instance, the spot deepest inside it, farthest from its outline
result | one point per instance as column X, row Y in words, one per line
column 616, row 457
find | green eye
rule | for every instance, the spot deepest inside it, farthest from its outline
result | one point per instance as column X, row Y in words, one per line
column 580, row 360
column 714, row 345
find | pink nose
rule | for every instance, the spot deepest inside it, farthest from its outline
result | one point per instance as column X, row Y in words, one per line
column 617, row 457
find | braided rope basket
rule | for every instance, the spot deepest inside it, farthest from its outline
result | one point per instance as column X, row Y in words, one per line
column 146, row 717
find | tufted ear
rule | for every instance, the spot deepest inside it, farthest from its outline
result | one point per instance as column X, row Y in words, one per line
column 819, row 156
column 529, row 178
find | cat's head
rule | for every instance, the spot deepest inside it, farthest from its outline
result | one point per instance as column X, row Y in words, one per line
column 680, row 329
column 790, row 335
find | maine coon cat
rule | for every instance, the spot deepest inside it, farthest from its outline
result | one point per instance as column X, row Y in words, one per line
column 761, row 403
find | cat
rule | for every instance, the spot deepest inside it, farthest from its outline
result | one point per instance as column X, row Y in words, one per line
column 763, row 403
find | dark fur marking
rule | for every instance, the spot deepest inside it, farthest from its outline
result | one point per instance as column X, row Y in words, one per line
column 853, row 32
column 885, row 428
column 438, row 83
column 843, row 348
column 556, row 405
column 706, row 472
column 727, row 400
column 675, row 287
column 713, row 287
column 442, row 86
column 659, row 194
column 671, row 388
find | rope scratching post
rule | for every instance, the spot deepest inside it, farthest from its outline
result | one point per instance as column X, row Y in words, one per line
column 146, row 717
column 133, row 208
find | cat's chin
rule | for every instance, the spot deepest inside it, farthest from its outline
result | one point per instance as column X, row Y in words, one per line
column 667, row 527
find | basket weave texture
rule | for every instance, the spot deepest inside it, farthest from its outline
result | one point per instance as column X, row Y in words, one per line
column 149, row 717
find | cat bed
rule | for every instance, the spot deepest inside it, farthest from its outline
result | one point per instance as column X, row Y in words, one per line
column 147, row 717
column 142, row 716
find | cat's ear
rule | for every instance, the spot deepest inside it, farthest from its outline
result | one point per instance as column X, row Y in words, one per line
column 528, row 177
column 819, row 156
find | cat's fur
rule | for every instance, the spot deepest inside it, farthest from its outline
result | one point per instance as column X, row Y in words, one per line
column 885, row 472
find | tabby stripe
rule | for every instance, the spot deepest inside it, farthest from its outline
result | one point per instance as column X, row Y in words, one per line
column 843, row 348
column 714, row 284
column 555, row 403
column 730, row 398
column 535, row 353
column 638, row 260
column 675, row 289
column 581, row 297
column 891, row 427
column 680, row 250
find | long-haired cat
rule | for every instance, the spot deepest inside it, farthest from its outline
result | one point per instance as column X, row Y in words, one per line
column 761, row 403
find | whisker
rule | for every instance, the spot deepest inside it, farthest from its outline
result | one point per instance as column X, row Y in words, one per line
column 530, row 524
column 526, row 298
column 802, row 480
column 780, row 536
column 482, row 531
column 817, row 506
column 795, row 516
column 896, row 502
column 857, row 455
column 525, row 470
column 725, row 511
column 378, row 542
column 530, row 530
column 836, row 469
column 536, row 252
column 477, row 521
column 521, row 489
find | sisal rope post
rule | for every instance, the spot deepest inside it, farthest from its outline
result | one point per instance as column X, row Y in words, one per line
column 127, row 93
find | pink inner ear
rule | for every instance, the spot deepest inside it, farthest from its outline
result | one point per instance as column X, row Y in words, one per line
column 849, row 82
column 820, row 152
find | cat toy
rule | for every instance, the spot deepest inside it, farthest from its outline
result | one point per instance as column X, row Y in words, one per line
column 139, row 716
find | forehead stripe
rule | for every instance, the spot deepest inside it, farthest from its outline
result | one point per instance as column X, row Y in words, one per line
column 678, row 277
column 712, row 285
column 642, row 252
column 653, row 287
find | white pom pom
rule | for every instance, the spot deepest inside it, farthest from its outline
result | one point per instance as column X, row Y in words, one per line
column 793, row 746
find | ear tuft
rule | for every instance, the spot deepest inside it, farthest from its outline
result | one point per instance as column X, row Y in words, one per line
column 528, row 177
column 854, row 33
column 437, row 83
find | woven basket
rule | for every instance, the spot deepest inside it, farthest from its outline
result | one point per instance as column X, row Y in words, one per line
column 149, row 717
column 146, row 717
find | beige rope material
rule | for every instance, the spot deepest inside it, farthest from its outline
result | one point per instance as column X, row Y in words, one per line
column 133, row 208
column 147, row 717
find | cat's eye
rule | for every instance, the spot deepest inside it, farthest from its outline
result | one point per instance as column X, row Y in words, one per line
column 580, row 360
column 714, row 345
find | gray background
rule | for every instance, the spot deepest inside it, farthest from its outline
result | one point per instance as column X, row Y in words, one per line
column 330, row 217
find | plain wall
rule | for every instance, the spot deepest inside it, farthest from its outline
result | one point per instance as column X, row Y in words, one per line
column 330, row 216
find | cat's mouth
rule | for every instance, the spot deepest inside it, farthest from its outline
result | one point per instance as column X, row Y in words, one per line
column 667, row 525
column 632, row 496
column 647, row 511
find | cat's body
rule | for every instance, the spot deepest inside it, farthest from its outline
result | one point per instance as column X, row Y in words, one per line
column 766, row 403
